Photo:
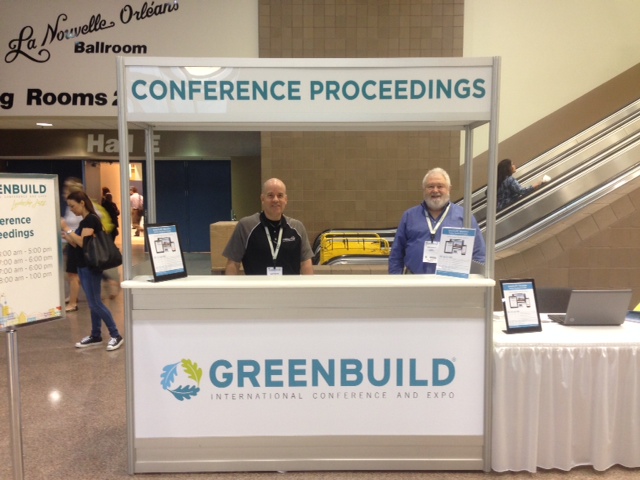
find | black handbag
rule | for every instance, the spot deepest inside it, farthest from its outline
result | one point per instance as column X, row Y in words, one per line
column 99, row 251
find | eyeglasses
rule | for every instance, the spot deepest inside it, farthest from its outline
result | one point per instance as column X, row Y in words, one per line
column 437, row 186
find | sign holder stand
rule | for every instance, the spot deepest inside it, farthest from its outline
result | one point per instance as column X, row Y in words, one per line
column 32, row 261
column 14, row 404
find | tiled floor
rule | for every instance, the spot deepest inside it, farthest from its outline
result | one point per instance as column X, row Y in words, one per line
column 73, row 411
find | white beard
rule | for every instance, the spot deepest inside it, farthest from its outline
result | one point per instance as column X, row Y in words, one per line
column 437, row 203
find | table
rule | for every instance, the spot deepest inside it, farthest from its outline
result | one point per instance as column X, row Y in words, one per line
column 566, row 396
column 323, row 372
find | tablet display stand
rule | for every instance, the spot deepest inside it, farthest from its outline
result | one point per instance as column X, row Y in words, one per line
column 520, row 305
column 167, row 259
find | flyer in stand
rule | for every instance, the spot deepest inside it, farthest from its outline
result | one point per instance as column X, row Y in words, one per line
column 167, row 259
column 520, row 305
column 455, row 252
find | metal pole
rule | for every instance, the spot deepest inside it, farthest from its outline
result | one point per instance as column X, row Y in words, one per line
column 490, row 238
column 150, row 201
column 14, row 405
column 468, row 169
column 127, row 261
column 123, row 141
column 492, row 177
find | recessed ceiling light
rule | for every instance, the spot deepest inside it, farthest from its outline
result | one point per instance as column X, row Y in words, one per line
column 42, row 124
column 202, row 71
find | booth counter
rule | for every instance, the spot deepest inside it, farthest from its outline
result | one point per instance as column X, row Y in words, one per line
column 327, row 372
column 331, row 372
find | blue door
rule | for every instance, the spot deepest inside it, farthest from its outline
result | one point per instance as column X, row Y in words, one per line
column 193, row 194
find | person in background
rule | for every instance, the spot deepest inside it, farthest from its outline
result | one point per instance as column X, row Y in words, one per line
column 415, row 245
column 91, row 280
column 509, row 190
column 268, row 243
column 71, row 220
column 111, row 277
column 105, row 190
column 112, row 209
column 137, row 209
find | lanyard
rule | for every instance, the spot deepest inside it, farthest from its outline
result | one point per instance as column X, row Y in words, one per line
column 434, row 229
column 274, row 252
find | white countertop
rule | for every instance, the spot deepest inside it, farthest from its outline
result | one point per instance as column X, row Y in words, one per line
column 554, row 334
column 308, row 281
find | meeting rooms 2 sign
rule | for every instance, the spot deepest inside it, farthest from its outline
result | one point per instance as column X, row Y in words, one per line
column 197, row 378
column 30, row 246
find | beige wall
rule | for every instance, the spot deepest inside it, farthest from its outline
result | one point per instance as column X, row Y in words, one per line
column 597, row 248
column 572, row 88
column 552, row 51
column 348, row 179
column 565, row 122
column 245, row 185
column 366, row 180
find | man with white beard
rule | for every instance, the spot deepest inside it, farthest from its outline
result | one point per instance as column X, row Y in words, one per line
column 416, row 243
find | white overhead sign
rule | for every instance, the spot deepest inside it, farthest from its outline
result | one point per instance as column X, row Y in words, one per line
column 310, row 91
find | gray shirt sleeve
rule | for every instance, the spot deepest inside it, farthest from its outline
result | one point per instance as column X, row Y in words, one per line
column 237, row 244
column 305, row 248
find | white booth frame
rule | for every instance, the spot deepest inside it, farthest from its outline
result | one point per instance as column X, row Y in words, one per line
column 199, row 118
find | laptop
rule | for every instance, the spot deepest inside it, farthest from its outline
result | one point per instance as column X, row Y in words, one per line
column 595, row 307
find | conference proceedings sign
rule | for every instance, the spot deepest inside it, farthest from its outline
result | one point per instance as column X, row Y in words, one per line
column 308, row 91
column 30, row 246
column 231, row 378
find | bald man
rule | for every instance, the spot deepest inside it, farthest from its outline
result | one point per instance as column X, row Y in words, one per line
column 268, row 243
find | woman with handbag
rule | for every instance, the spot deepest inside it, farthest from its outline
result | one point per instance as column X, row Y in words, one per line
column 91, row 279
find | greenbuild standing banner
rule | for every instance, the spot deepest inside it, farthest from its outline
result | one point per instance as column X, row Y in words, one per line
column 30, row 250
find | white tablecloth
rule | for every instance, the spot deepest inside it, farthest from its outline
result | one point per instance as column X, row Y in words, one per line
column 566, row 396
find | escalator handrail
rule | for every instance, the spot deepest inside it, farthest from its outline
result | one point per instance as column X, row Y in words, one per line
column 585, row 166
column 542, row 163
column 571, row 208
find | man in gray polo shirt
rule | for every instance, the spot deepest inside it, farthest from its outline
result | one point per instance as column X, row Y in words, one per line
column 268, row 243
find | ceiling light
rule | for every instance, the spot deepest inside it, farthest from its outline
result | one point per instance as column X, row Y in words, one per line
column 43, row 124
column 55, row 396
column 202, row 71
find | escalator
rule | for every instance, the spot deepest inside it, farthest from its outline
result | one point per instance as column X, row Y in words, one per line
column 583, row 169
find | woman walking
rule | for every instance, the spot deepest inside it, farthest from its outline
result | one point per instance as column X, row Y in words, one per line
column 81, row 205
column 71, row 184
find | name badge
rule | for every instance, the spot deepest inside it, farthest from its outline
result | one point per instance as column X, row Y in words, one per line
column 430, row 254
column 274, row 271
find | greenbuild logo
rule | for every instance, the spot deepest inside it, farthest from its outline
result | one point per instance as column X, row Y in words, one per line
column 172, row 371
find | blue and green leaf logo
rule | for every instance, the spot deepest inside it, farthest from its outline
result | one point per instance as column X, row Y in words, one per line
column 171, row 371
